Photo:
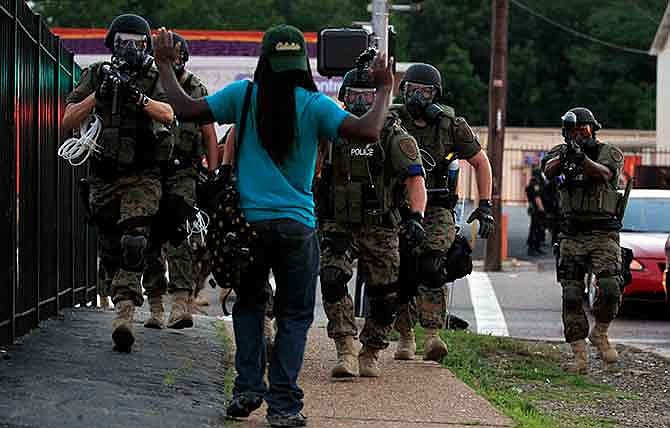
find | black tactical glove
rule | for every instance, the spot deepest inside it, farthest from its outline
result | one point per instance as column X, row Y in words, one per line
column 412, row 230
column 105, row 90
column 484, row 215
column 573, row 157
column 132, row 94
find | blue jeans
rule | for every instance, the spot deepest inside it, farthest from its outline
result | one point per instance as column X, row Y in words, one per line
column 291, row 250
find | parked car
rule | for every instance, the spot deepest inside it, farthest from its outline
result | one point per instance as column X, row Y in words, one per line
column 646, row 225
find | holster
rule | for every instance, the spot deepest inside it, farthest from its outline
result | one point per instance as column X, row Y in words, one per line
column 443, row 198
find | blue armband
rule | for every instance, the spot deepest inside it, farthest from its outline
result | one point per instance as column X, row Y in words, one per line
column 415, row 170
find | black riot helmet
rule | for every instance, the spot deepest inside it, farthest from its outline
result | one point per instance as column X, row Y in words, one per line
column 357, row 103
column 130, row 56
column 183, row 52
column 128, row 23
column 353, row 80
column 584, row 116
column 425, row 74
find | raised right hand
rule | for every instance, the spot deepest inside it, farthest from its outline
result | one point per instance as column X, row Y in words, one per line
column 382, row 72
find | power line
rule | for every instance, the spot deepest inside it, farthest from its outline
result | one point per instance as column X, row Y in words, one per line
column 577, row 33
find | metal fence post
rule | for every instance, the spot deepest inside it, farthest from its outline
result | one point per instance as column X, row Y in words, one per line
column 15, row 273
column 57, row 178
column 38, row 222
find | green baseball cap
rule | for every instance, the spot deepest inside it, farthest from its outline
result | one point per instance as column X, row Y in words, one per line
column 284, row 46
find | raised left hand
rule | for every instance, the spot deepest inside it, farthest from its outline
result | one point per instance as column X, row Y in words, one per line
column 164, row 50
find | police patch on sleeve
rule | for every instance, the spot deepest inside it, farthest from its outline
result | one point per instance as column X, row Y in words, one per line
column 408, row 147
column 463, row 132
column 616, row 155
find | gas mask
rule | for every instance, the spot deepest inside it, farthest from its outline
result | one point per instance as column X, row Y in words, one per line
column 359, row 100
column 585, row 138
column 179, row 66
column 417, row 98
column 179, row 69
column 130, row 52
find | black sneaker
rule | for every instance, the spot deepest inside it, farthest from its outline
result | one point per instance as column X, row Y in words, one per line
column 297, row 420
column 242, row 406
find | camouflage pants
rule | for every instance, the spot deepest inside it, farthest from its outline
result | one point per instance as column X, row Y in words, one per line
column 109, row 248
column 178, row 259
column 120, row 206
column 376, row 248
column 600, row 252
column 430, row 305
column 201, row 264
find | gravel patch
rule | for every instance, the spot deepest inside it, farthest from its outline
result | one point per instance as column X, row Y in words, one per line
column 642, row 383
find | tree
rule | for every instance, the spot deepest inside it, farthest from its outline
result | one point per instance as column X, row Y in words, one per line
column 550, row 69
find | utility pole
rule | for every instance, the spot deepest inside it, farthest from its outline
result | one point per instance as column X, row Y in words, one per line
column 380, row 24
column 380, row 10
column 497, row 116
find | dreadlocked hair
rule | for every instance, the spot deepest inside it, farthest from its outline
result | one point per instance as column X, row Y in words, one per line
column 275, row 112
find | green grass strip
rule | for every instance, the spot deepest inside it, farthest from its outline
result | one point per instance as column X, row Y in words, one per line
column 516, row 376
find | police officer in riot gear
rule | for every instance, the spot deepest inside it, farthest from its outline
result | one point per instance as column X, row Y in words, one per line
column 443, row 138
column 359, row 220
column 125, row 184
column 591, row 211
column 179, row 160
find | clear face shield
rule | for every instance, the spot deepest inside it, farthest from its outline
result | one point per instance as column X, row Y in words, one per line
column 359, row 100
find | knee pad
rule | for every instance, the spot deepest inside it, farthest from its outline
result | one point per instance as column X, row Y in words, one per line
column 133, row 246
column 383, row 307
column 431, row 269
column 333, row 283
column 572, row 298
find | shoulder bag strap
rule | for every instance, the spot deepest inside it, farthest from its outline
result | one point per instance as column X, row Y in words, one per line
column 239, row 133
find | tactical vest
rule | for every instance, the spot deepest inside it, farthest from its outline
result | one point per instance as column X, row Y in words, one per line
column 361, row 190
column 187, row 142
column 589, row 201
column 435, row 143
column 129, row 135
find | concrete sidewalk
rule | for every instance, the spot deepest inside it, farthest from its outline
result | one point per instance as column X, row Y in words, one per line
column 66, row 375
column 408, row 394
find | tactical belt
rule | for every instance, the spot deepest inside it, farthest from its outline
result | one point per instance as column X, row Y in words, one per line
column 442, row 198
column 385, row 220
column 573, row 226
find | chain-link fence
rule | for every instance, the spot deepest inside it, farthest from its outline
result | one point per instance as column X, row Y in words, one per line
column 47, row 253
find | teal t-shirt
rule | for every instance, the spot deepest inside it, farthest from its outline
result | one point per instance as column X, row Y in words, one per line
column 269, row 191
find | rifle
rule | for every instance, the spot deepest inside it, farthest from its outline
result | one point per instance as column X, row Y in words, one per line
column 571, row 168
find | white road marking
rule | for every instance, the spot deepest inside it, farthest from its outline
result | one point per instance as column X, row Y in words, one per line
column 488, row 314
